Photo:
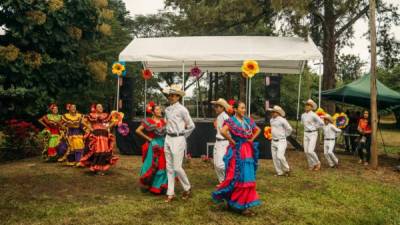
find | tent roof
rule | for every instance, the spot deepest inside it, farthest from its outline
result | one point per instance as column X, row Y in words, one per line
column 221, row 53
column 358, row 93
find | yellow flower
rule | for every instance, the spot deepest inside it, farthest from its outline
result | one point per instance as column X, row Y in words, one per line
column 118, row 68
column 250, row 68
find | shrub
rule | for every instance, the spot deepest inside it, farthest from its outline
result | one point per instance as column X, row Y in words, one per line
column 20, row 140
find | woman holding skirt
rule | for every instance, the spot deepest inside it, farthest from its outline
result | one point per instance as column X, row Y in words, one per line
column 239, row 187
column 52, row 124
column 153, row 175
column 101, row 142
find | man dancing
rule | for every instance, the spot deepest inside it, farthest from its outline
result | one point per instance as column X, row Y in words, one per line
column 312, row 123
column 280, row 129
column 179, row 126
column 221, row 143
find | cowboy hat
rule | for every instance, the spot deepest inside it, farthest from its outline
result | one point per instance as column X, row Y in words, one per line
column 175, row 89
column 328, row 117
column 311, row 103
column 222, row 102
column 277, row 109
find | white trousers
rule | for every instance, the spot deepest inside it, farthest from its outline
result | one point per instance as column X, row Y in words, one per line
column 220, row 148
column 329, row 145
column 174, row 148
column 278, row 149
column 309, row 142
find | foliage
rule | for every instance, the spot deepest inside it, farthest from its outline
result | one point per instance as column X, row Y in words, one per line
column 20, row 140
column 59, row 52
column 349, row 67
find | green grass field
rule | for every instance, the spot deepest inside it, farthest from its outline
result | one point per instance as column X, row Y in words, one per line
column 34, row 192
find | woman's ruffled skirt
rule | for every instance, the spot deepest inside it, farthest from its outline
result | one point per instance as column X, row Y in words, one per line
column 239, row 187
column 153, row 175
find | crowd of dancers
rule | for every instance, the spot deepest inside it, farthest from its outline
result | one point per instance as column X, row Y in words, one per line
column 87, row 141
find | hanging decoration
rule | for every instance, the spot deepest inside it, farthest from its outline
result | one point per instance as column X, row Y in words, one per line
column 118, row 68
column 267, row 133
column 123, row 129
column 250, row 68
column 341, row 120
column 195, row 72
column 320, row 112
column 147, row 74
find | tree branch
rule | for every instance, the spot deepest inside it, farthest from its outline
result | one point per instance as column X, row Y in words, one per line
column 352, row 21
column 248, row 20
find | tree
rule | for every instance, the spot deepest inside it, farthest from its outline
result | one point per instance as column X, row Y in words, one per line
column 330, row 24
column 349, row 68
column 58, row 51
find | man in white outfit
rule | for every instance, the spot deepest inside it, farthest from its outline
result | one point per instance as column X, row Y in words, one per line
column 330, row 133
column 221, row 143
column 312, row 123
column 179, row 126
column 280, row 129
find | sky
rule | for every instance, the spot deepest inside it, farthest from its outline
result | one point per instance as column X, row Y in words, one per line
column 360, row 47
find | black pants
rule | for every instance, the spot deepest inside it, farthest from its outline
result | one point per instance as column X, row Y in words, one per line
column 364, row 145
column 350, row 142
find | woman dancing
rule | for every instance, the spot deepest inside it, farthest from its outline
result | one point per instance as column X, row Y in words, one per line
column 239, row 187
column 52, row 124
column 153, row 175
column 101, row 142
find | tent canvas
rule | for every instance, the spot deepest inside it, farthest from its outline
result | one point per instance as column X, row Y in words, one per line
column 285, row 55
column 358, row 93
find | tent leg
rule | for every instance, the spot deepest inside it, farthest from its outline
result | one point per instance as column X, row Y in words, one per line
column 319, row 84
column 145, row 98
column 298, row 104
column 249, row 97
column 117, row 100
column 183, row 81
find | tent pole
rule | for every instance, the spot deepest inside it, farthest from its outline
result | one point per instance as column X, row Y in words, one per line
column 298, row 104
column 247, row 93
column 183, row 81
column 249, row 97
column 145, row 98
column 117, row 100
column 319, row 84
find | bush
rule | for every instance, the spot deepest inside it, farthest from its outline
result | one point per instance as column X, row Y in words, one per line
column 21, row 140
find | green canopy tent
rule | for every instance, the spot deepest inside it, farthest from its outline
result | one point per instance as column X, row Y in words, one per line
column 358, row 93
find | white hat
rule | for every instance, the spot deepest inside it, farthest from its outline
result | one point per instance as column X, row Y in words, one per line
column 222, row 102
column 312, row 104
column 175, row 89
column 328, row 117
column 277, row 109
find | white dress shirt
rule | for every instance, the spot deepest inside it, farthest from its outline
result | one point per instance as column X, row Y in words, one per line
column 311, row 121
column 178, row 120
column 330, row 131
column 220, row 123
column 280, row 128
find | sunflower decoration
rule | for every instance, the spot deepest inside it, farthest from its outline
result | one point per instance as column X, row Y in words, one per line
column 320, row 112
column 250, row 68
column 147, row 74
column 341, row 120
column 117, row 117
column 267, row 133
column 118, row 69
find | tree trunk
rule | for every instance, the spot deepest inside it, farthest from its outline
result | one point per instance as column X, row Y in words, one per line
column 242, row 89
column 210, row 92
column 328, row 51
column 216, row 86
column 374, row 113
column 228, row 82
column 397, row 115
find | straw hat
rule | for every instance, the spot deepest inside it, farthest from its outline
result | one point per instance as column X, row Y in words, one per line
column 222, row 102
column 277, row 109
column 311, row 103
column 175, row 89
column 328, row 117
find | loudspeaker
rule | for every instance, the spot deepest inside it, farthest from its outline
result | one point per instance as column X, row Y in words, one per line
column 272, row 93
column 126, row 97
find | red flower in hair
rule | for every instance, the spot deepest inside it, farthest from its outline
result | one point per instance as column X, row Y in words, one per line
column 149, row 107
column 67, row 106
column 231, row 102
column 93, row 108
column 52, row 106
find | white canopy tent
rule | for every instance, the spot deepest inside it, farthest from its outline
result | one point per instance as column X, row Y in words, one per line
column 284, row 55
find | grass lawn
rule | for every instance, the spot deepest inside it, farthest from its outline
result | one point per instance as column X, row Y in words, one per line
column 34, row 192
